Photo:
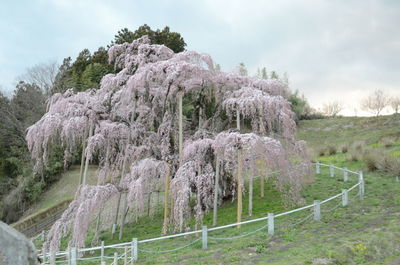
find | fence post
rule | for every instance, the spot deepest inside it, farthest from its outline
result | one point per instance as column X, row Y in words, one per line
column 331, row 171
column 361, row 186
column 397, row 179
column 115, row 258
column 134, row 249
column 69, row 254
column 271, row 227
column 345, row 198
column 345, row 175
column 318, row 167
column 102, row 252
column 317, row 210
column 126, row 256
column 204, row 237
column 44, row 254
column 73, row 256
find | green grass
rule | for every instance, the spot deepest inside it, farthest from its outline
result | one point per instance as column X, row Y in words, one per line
column 365, row 232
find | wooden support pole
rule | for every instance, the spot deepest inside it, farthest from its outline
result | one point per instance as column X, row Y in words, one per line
column 262, row 178
column 83, row 155
column 317, row 168
column 250, row 194
column 116, row 215
column 166, row 198
column 87, row 158
column 115, row 258
column 200, row 117
column 121, row 225
column 216, row 184
column 180, row 124
column 239, row 187
column 237, row 119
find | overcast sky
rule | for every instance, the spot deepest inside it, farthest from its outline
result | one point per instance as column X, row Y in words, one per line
column 332, row 50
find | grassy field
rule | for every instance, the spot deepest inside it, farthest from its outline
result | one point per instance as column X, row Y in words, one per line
column 365, row 232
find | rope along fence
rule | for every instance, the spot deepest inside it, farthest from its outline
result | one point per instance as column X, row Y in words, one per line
column 128, row 252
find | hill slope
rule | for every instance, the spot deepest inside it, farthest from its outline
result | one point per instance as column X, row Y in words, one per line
column 366, row 232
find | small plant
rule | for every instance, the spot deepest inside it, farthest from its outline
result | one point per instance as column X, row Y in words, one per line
column 359, row 251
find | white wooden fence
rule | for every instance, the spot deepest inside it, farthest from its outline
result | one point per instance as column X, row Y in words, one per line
column 131, row 249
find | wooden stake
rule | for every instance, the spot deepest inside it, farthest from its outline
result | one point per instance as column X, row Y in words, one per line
column 250, row 194
column 87, row 159
column 121, row 225
column 262, row 181
column 83, row 155
column 239, row 186
column 216, row 192
column 166, row 198
column 238, row 119
column 180, row 95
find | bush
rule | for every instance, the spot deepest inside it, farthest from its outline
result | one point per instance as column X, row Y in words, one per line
column 356, row 151
column 321, row 152
column 332, row 150
column 373, row 160
column 345, row 148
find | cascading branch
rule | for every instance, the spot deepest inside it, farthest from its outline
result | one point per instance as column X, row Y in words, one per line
column 130, row 126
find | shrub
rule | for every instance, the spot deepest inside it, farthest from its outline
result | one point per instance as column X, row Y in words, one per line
column 356, row 151
column 394, row 167
column 345, row 148
column 321, row 152
column 373, row 160
column 331, row 150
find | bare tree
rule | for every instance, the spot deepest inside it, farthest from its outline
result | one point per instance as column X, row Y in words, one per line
column 332, row 108
column 395, row 104
column 43, row 75
column 375, row 102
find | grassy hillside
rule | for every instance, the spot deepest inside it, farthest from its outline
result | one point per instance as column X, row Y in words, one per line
column 365, row 232
column 62, row 190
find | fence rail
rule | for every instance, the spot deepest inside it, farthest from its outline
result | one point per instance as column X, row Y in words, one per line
column 133, row 246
